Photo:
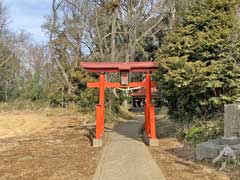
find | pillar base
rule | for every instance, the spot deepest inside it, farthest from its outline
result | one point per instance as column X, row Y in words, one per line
column 98, row 142
column 149, row 141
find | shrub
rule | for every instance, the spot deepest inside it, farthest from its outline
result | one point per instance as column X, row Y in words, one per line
column 201, row 131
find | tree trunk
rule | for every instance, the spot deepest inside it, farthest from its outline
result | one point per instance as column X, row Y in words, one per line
column 59, row 65
column 113, row 37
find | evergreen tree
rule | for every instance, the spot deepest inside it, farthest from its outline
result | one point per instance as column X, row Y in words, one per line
column 198, row 63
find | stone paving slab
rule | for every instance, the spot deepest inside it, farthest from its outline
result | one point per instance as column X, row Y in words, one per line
column 125, row 156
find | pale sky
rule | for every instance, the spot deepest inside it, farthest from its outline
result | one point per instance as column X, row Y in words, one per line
column 28, row 15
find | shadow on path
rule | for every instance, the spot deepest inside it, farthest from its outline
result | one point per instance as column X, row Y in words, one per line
column 131, row 129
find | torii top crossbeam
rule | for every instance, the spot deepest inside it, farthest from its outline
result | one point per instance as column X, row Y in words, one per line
column 119, row 66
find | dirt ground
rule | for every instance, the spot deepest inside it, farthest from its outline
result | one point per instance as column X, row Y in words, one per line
column 177, row 160
column 38, row 146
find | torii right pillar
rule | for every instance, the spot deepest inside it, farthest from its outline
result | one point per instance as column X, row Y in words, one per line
column 150, row 121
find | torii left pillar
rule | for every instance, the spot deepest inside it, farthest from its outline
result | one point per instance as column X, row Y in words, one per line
column 100, row 110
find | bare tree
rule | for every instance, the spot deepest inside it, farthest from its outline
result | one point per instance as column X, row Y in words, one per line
column 53, row 31
column 4, row 20
column 3, row 32
column 116, row 28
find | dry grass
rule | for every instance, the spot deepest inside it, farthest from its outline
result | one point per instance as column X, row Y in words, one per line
column 37, row 145
column 178, row 161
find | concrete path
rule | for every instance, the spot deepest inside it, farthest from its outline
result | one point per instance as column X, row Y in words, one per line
column 125, row 156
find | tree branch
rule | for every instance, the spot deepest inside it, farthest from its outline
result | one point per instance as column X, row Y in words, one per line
column 6, row 60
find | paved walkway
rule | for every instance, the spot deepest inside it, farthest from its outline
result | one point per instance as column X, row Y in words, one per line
column 125, row 156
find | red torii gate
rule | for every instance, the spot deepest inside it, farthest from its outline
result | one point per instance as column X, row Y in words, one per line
column 124, row 69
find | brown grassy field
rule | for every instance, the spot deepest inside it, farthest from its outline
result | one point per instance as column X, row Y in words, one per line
column 35, row 145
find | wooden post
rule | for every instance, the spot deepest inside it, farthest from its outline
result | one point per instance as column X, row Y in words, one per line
column 150, row 124
column 101, row 89
column 148, row 102
column 98, row 121
column 148, row 88
column 100, row 109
